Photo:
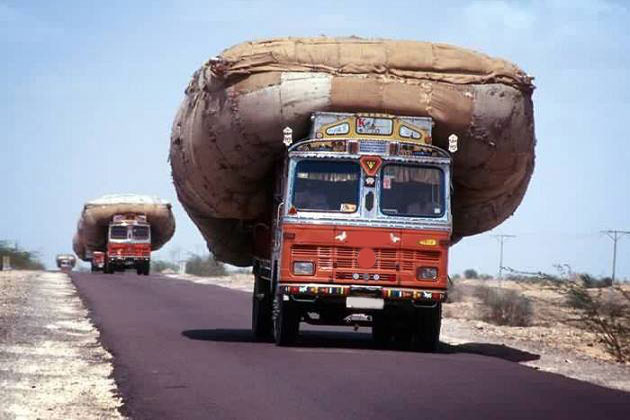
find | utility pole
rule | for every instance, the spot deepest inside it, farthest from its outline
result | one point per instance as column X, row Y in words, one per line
column 502, row 239
column 615, row 235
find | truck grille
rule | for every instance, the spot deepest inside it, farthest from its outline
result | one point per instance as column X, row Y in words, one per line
column 345, row 258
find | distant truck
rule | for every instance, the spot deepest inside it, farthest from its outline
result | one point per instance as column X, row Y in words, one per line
column 97, row 261
column 128, row 245
column 361, row 231
column 66, row 262
column 117, row 232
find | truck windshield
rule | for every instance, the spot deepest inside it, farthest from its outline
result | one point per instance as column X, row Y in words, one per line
column 326, row 186
column 118, row 232
column 412, row 191
column 140, row 232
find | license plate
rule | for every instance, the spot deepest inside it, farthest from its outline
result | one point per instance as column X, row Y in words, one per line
column 364, row 302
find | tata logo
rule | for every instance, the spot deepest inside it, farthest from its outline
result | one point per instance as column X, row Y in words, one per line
column 370, row 164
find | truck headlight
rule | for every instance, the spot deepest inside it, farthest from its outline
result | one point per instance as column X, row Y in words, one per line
column 427, row 273
column 303, row 268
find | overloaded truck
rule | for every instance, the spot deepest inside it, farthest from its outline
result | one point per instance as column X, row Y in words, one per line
column 344, row 169
column 66, row 262
column 118, row 232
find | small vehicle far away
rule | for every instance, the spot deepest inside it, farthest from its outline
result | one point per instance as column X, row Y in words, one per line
column 66, row 262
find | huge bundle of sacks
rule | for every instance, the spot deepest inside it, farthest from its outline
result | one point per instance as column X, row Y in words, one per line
column 227, row 134
column 91, row 234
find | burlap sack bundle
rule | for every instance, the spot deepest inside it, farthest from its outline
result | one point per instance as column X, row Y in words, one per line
column 227, row 134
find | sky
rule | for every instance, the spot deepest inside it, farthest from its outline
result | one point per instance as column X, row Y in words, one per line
column 90, row 90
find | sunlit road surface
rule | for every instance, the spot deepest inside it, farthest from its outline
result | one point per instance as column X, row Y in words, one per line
column 184, row 351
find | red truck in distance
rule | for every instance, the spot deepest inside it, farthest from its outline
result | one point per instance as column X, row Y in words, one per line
column 128, row 245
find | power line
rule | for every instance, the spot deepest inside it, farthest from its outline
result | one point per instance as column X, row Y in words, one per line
column 615, row 235
column 502, row 239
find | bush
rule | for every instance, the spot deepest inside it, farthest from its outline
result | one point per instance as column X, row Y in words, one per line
column 205, row 266
column 470, row 274
column 455, row 293
column 505, row 307
column 591, row 282
column 485, row 277
column 157, row 266
column 606, row 313
column 20, row 259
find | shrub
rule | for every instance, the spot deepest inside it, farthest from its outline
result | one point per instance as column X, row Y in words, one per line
column 455, row 293
column 606, row 313
column 205, row 266
column 157, row 266
column 505, row 307
column 591, row 282
column 485, row 276
column 20, row 259
column 470, row 274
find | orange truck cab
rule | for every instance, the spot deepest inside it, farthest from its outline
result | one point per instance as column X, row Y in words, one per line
column 128, row 244
column 361, row 231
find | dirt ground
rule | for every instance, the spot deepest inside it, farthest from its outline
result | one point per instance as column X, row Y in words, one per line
column 550, row 344
column 51, row 363
column 553, row 342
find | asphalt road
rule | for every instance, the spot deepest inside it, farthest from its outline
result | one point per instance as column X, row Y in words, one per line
column 184, row 351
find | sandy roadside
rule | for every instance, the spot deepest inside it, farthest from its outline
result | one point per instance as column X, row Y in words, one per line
column 517, row 344
column 52, row 365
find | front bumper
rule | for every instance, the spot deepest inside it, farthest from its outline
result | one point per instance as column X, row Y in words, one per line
column 126, row 260
column 312, row 291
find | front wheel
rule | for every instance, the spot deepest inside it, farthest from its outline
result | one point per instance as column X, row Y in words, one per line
column 381, row 330
column 428, row 325
column 261, row 309
column 286, row 321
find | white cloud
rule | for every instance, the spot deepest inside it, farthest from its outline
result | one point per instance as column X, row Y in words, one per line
column 8, row 14
column 18, row 26
column 588, row 7
column 498, row 13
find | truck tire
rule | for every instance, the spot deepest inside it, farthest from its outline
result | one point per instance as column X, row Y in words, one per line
column 286, row 321
column 147, row 268
column 261, row 309
column 381, row 330
column 428, row 325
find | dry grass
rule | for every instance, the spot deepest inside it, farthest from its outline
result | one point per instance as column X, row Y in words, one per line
column 605, row 312
column 505, row 307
